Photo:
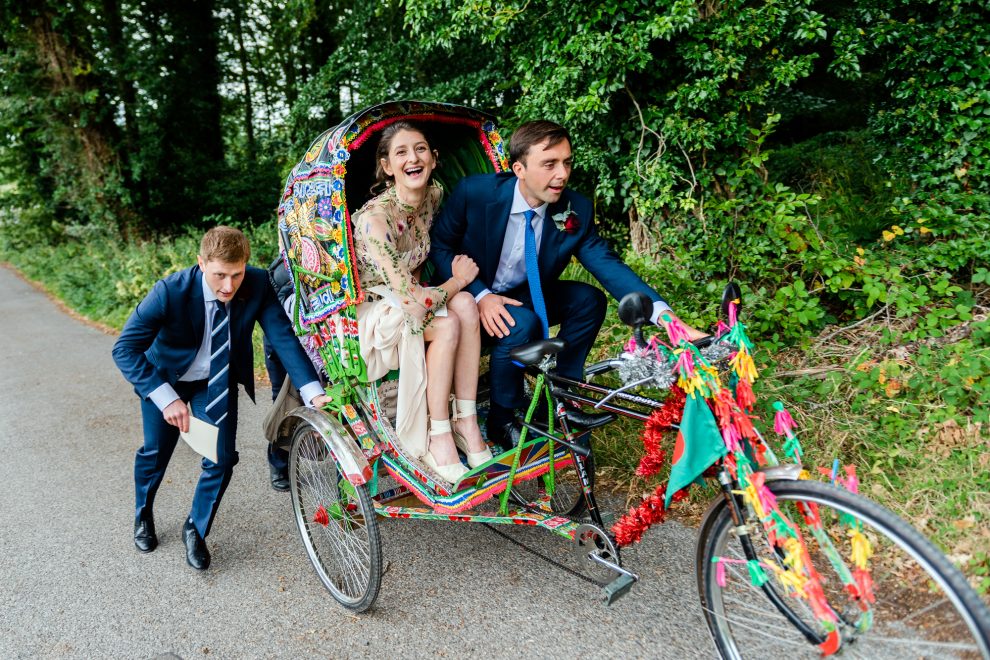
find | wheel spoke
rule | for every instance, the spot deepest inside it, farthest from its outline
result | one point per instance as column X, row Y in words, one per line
column 345, row 551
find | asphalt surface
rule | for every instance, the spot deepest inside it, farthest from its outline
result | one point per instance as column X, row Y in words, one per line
column 73, row 585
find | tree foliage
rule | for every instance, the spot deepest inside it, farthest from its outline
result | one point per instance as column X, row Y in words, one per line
column 759, row 140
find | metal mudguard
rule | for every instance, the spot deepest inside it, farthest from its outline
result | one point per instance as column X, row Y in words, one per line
column 346, row 452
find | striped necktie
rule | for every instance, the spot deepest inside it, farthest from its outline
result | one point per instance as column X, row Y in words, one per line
column 533, row 273
column 216, row 389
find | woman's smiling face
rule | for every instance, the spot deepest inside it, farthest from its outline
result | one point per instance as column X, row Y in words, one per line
column 410, row 160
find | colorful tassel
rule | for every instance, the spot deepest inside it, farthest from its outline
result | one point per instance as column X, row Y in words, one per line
column 744, row 395
column 861, row 548
column 743, row 365
column 757, row 575
column 783, row 423
column 719, row 571
column 793, row 449
column 865, row 583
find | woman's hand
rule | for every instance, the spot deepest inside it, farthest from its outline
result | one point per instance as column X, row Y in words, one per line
column 464, row 270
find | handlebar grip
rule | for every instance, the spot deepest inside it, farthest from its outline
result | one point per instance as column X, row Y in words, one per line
column 704, row 341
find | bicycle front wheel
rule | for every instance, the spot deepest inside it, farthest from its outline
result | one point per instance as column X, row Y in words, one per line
column 923, row 606
column 336, row 520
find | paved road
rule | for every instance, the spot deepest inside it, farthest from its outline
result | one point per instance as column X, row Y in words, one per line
column 73, row 585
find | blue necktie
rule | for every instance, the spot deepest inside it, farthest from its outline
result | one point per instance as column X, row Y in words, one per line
column 533, row 273
column 216, row 389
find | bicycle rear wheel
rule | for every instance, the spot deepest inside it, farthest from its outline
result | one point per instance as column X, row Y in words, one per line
column 924, row 607
column 568, row 496
column 336, row 520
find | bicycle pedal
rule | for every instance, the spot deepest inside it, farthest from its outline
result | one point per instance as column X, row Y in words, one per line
column 617, row 588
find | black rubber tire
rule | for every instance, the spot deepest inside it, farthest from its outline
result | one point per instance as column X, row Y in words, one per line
column 316, row 481
column 961, row 603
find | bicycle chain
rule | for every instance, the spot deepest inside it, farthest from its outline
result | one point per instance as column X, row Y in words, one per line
column 537, row 553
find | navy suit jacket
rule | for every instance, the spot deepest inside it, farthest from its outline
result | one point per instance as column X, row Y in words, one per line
column 162, row 336
column 474, row 219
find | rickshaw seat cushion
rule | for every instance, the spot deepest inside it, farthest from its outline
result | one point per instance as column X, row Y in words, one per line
column 530, row 354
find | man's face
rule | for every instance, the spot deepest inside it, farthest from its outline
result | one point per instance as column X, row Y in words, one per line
column 222, row 277
column 543, row 172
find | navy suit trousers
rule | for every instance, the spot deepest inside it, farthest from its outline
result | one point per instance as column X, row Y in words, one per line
column 160, row 439
column 577, row 307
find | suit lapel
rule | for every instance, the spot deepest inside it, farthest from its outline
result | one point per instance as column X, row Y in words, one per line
column 496, row 221
column 236, row 311
column 550, row 242
column 198, row 313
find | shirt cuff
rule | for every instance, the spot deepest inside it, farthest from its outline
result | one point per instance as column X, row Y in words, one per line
column 659, row 307
column 163, row 395
column 477, row 298
column 310, row 390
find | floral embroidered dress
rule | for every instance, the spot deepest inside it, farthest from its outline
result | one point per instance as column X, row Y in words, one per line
column 391, row 243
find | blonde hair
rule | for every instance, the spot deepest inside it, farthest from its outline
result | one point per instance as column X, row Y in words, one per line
column 226, row 244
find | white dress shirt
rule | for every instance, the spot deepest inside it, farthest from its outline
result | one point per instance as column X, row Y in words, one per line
column 511, row 271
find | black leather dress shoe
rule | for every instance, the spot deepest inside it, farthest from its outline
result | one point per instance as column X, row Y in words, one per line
column 576, row 417
column 280, row 478
column 587, row 420
column 145, row 539
column 197, row 554
column 502, row 438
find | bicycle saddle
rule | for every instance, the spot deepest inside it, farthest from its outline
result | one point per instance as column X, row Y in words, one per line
column 529, row 354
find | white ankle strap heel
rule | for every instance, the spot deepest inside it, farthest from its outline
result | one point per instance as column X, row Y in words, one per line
column 467, row 408
column 452, row 472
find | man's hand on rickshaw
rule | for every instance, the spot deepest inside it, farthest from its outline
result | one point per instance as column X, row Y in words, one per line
column 320, row 400
column 177, row 414
column 495, row 318
column 464, row 270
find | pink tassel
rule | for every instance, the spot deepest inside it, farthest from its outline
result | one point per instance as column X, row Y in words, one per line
column 677, row 332
column 721, row 328
column 732, row 314
column 851, row 481
column 731, row 437
column 783, row 423
column 685, row 364
column 767, row 499
column 720, row 573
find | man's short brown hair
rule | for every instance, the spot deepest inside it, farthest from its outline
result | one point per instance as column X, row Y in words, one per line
column 226, row 244
column 535, row 132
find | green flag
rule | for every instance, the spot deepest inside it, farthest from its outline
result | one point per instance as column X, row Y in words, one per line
column 699, row 444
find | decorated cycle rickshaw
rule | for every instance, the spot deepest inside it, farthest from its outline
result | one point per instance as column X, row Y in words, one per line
column 783, row 562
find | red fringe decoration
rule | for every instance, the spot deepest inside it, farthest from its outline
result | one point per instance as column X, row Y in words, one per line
column 865, row 583
column 744, row 395
column 723, row 406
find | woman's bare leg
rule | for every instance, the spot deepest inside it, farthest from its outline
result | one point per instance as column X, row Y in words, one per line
column 467, row 359
column 441, row 336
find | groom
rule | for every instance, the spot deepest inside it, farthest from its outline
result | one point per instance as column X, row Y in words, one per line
column 522, row 228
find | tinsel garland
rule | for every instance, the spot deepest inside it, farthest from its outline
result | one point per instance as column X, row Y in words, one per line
column 661, row 420
column 631, row 527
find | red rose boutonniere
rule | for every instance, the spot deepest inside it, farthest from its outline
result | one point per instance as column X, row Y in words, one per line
column 566, row 220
